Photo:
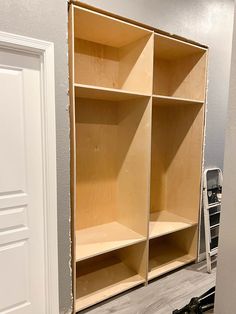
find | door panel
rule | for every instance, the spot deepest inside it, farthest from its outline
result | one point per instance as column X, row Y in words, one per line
column 22, row 273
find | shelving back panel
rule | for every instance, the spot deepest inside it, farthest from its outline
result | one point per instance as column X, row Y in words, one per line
column 113, row 54
column 112, row 162
column 177, row 135
column 179, row 69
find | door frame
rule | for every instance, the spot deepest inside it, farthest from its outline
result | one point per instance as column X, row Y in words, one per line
column 45, row 50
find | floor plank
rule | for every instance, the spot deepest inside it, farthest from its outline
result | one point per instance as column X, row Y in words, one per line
column 161, row 296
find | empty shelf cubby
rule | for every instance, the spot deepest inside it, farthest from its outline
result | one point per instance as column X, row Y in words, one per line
column 111, row 182
column 179, row 69
column 106, row 275
column 112, row 54
column 176, row 161
column 172, row 251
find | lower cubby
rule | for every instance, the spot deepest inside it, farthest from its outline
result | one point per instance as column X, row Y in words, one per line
column 172, row 251
column 109, row 274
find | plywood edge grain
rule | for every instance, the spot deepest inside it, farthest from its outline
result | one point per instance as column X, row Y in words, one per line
column 103, row 93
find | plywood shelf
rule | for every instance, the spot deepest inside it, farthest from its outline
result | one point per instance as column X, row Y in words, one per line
column 165, row 222
column 171, row 101
column 102, row 279
column 169, row 48
column 103, row 93
column 105, row 30
column 104, row 238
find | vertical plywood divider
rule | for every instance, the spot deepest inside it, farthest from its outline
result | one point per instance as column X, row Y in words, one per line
column 136, row 65
column 137, row 120
column 136, row 258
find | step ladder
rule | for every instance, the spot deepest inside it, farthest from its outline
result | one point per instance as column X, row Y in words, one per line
column 212, row 191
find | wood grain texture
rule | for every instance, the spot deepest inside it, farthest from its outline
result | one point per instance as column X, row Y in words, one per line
column 177, row 134
column 104, row 93
column 137, row 156
column 105, row 30
column 110, row 67
column 136, row 65
column 172, row 251
column 170, row 48
column 161, row 100
column 104, row 238
column 179, row 69
column 133, row 164
column 113, row 163
column 164, row 222
column 102, row 277
column 96, row 134
column 72, row 144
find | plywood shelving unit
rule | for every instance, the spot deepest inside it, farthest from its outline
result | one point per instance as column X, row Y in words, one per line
column 137, row 118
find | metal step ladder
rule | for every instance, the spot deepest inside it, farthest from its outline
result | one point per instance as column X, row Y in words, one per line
column 212, row 191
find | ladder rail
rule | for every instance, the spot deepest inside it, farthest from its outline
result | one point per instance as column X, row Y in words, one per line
column 206, row 207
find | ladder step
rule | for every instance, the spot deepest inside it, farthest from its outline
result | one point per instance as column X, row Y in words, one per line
column 214, row 205
column 215, row 213
column 214, row 252
column 214, row 226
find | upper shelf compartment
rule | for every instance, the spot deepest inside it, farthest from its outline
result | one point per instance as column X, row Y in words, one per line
column 179, row 69
column 111, row 53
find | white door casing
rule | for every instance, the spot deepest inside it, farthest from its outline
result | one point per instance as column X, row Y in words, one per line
column 28, row 208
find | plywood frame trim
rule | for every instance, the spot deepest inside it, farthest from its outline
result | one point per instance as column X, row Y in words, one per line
column 203, row 154
column 78, row 3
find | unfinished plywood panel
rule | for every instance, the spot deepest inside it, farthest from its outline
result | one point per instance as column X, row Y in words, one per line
column 102, row 62
column 179, row 69
column 174, row 101
column 113, row 149
column 103, row 93
column 172, row 251
column 106, row 275
column 102, row 29
column 96, row 149
column 177, row 134
column 104, row 238
column 164, row 222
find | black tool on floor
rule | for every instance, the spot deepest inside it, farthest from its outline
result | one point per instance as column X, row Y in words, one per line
column 200, row 304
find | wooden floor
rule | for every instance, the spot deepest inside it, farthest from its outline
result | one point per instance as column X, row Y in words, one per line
column 161, row 296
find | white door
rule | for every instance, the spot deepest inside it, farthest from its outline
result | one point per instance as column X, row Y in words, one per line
column 23, row 288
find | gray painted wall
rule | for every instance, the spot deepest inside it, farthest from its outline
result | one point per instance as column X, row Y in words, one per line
column 208, row 22
column 47, row 20
column 226, row 273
